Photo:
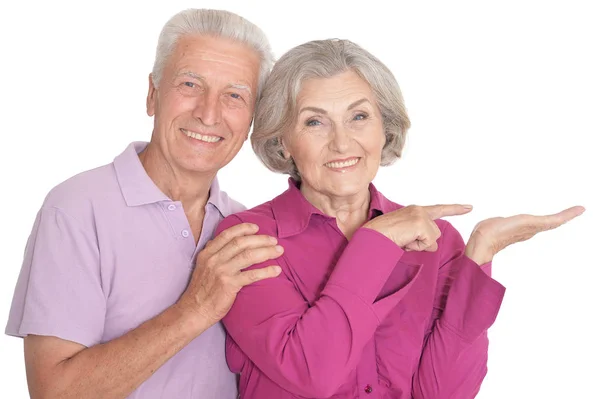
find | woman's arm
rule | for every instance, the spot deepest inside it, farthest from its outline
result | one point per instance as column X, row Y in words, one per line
column 454, row 358
column 310, row 350
column 453, row 362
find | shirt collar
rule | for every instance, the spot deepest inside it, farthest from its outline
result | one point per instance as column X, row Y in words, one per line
column 139, row 189
column 293, row 212
column 219, row 199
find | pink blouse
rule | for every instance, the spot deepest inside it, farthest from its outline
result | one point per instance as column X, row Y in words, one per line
column 359, row 318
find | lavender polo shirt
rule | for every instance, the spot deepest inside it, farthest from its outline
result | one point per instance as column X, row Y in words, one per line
column 107, row 252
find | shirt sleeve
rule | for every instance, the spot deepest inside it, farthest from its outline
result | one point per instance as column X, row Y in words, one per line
column 309, row 350
column 59, row 290
column 454, row 358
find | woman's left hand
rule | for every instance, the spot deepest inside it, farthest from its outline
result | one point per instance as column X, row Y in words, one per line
column 490, row 236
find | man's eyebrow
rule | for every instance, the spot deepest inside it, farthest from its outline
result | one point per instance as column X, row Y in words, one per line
column 191, row 75
column 240, row 86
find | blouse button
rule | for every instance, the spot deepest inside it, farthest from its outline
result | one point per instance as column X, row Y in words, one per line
column 368, row 389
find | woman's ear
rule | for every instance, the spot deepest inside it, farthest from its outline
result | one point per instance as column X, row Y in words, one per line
column 285, row 152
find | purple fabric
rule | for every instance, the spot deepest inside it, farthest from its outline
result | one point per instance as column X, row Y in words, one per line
column 109, row 251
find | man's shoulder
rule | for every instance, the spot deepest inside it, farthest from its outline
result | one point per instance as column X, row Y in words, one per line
column 79, row 193
column 229, row 206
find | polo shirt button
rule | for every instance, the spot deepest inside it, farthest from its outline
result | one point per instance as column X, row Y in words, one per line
column 368, row 389
column 185, row 233
column 172, row 207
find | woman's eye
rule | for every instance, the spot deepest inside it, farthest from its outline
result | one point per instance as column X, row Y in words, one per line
column 360, row 117
column 312, row 122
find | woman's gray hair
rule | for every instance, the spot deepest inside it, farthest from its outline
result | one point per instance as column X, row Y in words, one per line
column 218, row 23
column 276, row 109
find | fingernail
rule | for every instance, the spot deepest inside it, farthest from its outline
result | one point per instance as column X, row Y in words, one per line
column 277, row 269
column 279, row 248
column 273, row 240
column 468, row 206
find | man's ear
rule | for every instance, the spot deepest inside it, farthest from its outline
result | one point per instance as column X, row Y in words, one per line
column 151, row 99
column 249, row 128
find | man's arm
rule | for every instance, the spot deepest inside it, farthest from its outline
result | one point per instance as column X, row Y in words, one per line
column 58, row 368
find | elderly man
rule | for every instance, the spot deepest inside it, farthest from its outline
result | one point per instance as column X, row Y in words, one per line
column 121, row 291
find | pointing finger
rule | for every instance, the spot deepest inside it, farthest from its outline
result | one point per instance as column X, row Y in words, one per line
column 440, row 211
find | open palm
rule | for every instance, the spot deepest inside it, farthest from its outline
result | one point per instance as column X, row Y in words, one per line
column 492, row 235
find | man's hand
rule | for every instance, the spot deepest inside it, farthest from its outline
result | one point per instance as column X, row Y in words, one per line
column 219, row 274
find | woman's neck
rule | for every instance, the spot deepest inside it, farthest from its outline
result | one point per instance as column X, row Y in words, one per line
column 350, row 212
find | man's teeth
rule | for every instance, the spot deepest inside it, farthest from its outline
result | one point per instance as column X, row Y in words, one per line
column 202, row 137
column 344, row 164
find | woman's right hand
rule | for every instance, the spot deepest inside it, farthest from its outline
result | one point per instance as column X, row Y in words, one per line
column 413, row 227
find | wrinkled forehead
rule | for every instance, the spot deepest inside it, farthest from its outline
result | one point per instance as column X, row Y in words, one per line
column 343, row 89
column 205, row 56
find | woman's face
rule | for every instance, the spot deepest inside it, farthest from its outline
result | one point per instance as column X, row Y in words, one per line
column 337, row 137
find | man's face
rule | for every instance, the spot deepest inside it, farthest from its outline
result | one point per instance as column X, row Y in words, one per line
column 204, row 104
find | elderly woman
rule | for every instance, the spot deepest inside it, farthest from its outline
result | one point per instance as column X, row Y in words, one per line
column 374, row 299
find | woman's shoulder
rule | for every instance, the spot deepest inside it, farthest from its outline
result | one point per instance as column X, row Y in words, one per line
column 261, row 215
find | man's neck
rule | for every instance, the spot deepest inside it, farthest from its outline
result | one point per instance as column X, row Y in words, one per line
column 191, row 189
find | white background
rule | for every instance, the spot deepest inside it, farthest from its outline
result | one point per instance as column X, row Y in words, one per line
column 504, row 102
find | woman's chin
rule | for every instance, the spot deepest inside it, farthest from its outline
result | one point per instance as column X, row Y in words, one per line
column 348, row 188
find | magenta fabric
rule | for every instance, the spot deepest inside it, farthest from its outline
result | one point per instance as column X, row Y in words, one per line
column 359, row 318
column 109, row 251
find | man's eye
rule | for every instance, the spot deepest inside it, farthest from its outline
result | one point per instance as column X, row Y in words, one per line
column 190, row 84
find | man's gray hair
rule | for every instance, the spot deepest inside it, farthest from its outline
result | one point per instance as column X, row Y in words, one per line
column 276, row 109
column 218, row 23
